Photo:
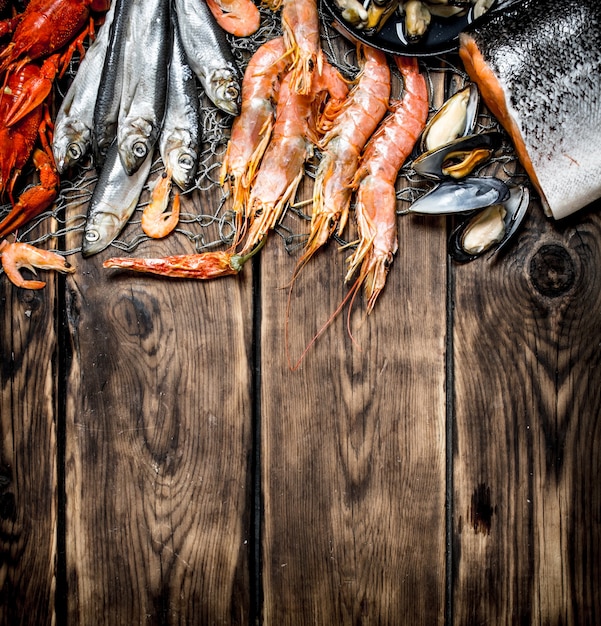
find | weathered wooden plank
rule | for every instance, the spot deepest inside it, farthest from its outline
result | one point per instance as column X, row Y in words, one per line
column 159, row 440
column 527, row 406
column 28, row 454
column 353, row 443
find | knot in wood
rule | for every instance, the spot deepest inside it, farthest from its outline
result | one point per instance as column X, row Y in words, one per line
column 552, row 271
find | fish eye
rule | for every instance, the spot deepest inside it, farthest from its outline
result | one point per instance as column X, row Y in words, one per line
column 186, row 162
column 139, row 149
column 74, row 151
column 92, row 235
column 231, row 93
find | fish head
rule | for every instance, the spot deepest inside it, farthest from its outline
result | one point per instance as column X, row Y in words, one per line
column 135, row 141
column 100, row 230
column 223, row 87
column 71, row 143
column 180, row 160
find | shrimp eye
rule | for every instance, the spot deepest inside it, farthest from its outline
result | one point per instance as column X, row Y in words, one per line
column 139, row 149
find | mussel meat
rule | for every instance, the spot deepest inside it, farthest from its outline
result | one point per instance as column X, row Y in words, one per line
column 378, row 12
column 353, row 12
column 459, row 157
column 461, row 196
column 491, row 228
column 456, row 118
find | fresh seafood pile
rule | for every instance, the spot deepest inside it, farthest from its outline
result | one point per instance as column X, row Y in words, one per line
column 292, row 109
column 537, row 65
column 37, row 46
column 414, row 16
column 137, row 94
column 137, row 90
column 451, row 152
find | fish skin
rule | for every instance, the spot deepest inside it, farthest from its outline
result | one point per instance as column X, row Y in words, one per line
column 108, row 101
column 179, row 142
column 74, row 122
column 209, row 54
column 147, row 53
column 546, row 58
column 113, row 201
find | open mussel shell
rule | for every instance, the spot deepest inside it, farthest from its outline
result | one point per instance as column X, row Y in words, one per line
column 461, row 196
column 491, row 228
column 459, row 157
column 457, row 117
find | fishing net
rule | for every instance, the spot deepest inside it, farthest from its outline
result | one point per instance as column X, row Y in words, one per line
column 209, row 225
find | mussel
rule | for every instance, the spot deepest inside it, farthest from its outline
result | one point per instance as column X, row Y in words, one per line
column 461, row 196
column 353, row 12
column 491, row 228
column 456, row 118
column 378, row 12
column 458, row 158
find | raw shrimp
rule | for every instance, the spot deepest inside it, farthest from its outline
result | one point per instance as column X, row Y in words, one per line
column 300, row 21
column 349, row 129
column 381, row 161
column 251, row 130
column 240, row 18
column 293, row 137
column 17, row 255
column 156, row 221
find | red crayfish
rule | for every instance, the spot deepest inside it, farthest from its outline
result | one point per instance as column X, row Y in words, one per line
column 45, row 36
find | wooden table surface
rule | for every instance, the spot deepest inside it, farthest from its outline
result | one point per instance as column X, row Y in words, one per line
column 160, row 463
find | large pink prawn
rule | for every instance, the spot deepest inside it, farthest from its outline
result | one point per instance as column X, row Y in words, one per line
column 300, row 21
column 349, row 127
column 251, row 130
column 375, row 207
column 292, row 141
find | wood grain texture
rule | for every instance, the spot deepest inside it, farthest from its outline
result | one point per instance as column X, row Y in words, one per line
column 353, row 444
column 527, row 406
column 159, row 447
column 28, row 454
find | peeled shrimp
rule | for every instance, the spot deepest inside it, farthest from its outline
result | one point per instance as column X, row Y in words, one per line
column 381, row 161
column 17, row 255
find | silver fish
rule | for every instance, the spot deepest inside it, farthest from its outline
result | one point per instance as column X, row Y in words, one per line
column 144, row 94
column 179, row 142
column 544, row 59
column 209, row 54
column 113, row 201
column 75, row 118
column 108, row 101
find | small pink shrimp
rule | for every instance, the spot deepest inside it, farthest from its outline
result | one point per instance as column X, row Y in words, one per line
column 240, row 18
column 156, row 221
column 300, row 21
column 381, row 161
column 292, row 141
column 349, row 129
column 17, row 255
column 251, row 130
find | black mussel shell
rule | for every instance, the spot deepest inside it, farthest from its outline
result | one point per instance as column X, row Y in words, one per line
column 515, row 208
column 461, row 196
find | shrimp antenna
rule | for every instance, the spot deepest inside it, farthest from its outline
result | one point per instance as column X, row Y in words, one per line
column 351, row 295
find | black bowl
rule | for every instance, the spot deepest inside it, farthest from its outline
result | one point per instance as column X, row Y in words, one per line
column 442, row 35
